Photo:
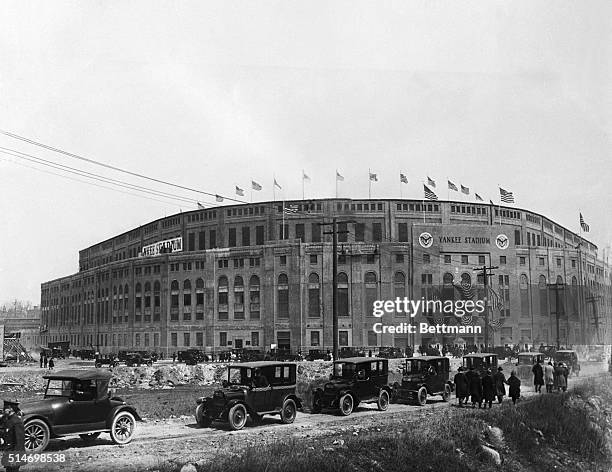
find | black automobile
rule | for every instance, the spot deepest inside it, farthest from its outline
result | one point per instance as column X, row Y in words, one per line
column 423, row 377
column 108, row 360
column 347, row 351
column 480, row 362
column 570, row 359
column 252, row 389
column 353, row 381
column 192, row 356
column 76, row 402
column 317, row 354
column 136, row 359
column 389, row 352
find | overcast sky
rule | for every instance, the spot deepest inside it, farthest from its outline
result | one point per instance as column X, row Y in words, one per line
column 211, row 94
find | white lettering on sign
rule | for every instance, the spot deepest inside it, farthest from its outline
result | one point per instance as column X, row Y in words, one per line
column 160, row 247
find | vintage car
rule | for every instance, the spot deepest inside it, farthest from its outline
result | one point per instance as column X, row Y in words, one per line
column 388, row 352
column 353, row 381
column 570, row 359
column 422, row 377
column 252, row 389
column 317, row 354
column 76, row 402
column 111, row 361
column 137, row 359
column 347, row 351
column 192, row 356
column 480, row 362
column 525, row 363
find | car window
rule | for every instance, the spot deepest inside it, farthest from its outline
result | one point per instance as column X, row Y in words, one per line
column 374, row 367
column 344, row 369
column 84, row 390
column 59, row 388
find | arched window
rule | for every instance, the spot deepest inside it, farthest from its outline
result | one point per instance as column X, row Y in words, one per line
column 222, row 292
column 524, row 295
column 371, row 292
column 199, row 292
column 254, row 298
column 187, row 293
column 314, row 300
column 120, row 301
column 343, row 294
column 543, row 294
column 147, row 294
column 138, row 297
column 283, row 296
column 399, row 289
column 238, row 298
column 174, row 294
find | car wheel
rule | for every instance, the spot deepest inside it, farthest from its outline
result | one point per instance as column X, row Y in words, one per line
column 98, row 365
column 346, row 404
column 203, row 420
column 37, row 435
column 317, row 404
column 89, row 437
column 122, row 428
column 288, row 411
column 383, row 400
column 422, row 396
column 237, row 417
column 447, row 393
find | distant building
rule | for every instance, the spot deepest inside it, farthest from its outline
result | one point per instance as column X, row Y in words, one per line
column 23, row 325
column 259, row 274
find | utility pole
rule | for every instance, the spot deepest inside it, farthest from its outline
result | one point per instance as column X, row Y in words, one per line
column 486, row 272
column 593, row 301
column 556, row 287
column 334, row 232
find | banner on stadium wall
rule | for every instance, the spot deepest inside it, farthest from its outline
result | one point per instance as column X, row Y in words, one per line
column 163, row 247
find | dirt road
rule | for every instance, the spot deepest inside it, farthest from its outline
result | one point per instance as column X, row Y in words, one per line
column 181, row 440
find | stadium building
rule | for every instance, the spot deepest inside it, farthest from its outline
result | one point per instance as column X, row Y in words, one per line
column 260, row 274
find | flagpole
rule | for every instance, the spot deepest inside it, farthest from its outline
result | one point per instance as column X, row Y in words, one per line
column 369, row 185
column 302, row 184
column 400, row 183
column 447, row 189
column 423, row 208
column 499, row 206
column 274, row 188
column 336, row 183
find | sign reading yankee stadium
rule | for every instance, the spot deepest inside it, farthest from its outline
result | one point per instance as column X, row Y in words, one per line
column 161, row 247
column 462, row 235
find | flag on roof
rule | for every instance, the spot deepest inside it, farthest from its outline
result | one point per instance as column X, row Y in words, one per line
column 431, row 182
column 465, row 190
column 305, row 177
column 239, row 191
column 506, row 197
column 219, row 198
column 339, row 177
column 373, row 177
column 200, row 206
column 478, row 198
column 291, row 209
column 429, row 195
column 452, row 186
column 403, row 178
column 496, row 324
column 255, row 185
column 583, row 225
column 276, row 184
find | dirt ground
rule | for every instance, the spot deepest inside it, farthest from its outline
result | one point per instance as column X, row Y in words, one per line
column 180, row 440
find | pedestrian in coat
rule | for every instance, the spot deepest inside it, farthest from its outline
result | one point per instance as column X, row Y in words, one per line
column 12, row 426
column 515, row 387
column 559, row 377
column 51, row 364
column 500, row 389
column 45, row 362
column 41, row 361
column 538, row 376
column 549, row 378
column 461, row 387
column 475, row 387
column 488, row 389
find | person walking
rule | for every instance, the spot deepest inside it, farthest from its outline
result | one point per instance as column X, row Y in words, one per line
column 45, row 362
column 538, row 376
column 461, row 387
column 41, row 361
column 500, row 388
column 14, row 435
column 475, row 387
column 515, row 387
column 173, row 357
column 559, row 378
column 549, row 376
column 51, row 364
column 488, row 389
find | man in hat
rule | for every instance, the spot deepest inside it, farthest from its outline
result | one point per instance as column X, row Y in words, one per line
column 538, row 376
column 500, row 389
column 488, row 389
column 461, row 386
column 14, row 435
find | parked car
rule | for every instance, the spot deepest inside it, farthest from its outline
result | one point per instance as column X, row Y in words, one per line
column 346, row 352
column 548, row 351
column 389, row 352
column 111, row 361
column 353, row 381
column 423, row 377
column 281, row 355
column 137, row 359
column 252, row 389
column 316, row 354
column 526, row 361
column 480, row 362
column 76, row 402
column 570, row 359
column 192, row 356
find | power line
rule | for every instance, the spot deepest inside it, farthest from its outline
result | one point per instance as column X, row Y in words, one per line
column 108, row 166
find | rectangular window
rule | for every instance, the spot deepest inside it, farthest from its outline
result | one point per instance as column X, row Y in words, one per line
column 426, row 258
column 231, row 237
column 399, row 258
column 370, row 258
column 255, row 338
column 377, row 232
column 343, row 338
column 174, row 339
column 314, row 338
column 222, row 339
column 186, row 339
column 201, row 241
column 502, row 259
column 342, row 233
column 313, row 259
column 522, row 261
column 541, row 261
column 299, row 232
column 191, row 241
column 372, row 338
column 402, row 229
column 447, row 258
column 465, row 259
column 283, row 231
column 259, row 235
column 360, row 232
column 199, row 339
column 282, row 260
column 246, row 236
column 517, row 237
column 212, row 239
column 315, row 230
column 481, row 260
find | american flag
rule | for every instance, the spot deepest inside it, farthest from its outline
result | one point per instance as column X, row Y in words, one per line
column 429, row 195
column 452, row 186
column 219, row 198
column 465, row 190
column 200, row 206
column 403, row 179
column 373, row 177
column 276, row 184
column 255, row 185
column 506, row 197
column 495, row 301
column 339, row 177
column 431, row 182
column 496, row 324
column 239, row 191
column 478, row 198
column 291, row 210
column 583, row 225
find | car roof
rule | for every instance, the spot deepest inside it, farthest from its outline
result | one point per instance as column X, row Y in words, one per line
column 530, row 354
column 426, row 358
column 565, row 351
column 360, row 360
column 260, row 364
column 484, row 354
column 74, row 374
